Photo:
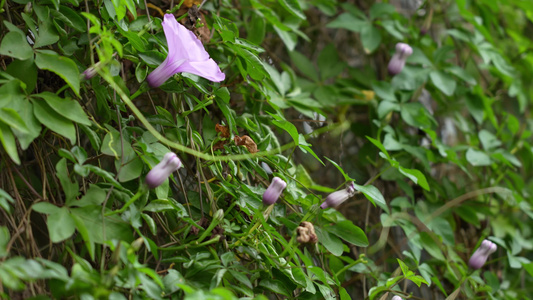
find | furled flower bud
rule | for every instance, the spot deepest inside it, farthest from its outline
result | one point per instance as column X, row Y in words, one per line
column 336, row 198
column 397, row 62
column 162, row 170
column 397, row 298
column 273, row 192
column 89, row 73
column 480, row 256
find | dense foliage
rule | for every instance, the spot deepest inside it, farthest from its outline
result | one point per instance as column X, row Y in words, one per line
column 426, row 164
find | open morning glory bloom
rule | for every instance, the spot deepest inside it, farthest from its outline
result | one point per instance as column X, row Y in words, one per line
column 397, row 62
column 185, row 54
column 480, row 256
column 273, row 191
column 336, row 198
column 162, row 170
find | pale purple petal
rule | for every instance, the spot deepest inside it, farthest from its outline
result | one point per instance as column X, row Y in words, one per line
column 335, row 199
column 185, row 50
column 274, row 190
column 162, row 170
column 207, row 69
column 396, row 65
column 480, row 256
column 163, row 72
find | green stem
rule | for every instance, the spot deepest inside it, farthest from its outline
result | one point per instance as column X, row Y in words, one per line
column 192, row 244
column 236, row 157
column 139, row 193
column 360, row 260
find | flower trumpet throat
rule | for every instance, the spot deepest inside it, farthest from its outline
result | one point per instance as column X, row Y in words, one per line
column 397, row 62
column 162, row 170
column 185, row 54
column 480, row 256
column 272, row 193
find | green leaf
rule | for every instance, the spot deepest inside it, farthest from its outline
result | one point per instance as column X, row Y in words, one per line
column 62, row 66
column 114, row 227
column 256, row 29
column 443, row 82
column 129, row 169
column 74, row 19
column 347, row 231
column 477, row 158
column 45, row 208
column 84, row 232
column 380, row 9
column 70, row 188
column 488, row 140
column 8, row 141
column 5, row 200
column 47, row 33
column 303, row 64
column 60, row 225
column 14, row 44
column 4, row 240
column 54, row 121
column 289, row 127
column 371, row 38
column 25, row 110
column 293, row 7
column 26, row 71
column 332, row 243
column 350, row 22
column 346, row 177
column 329, row 63
column 416, row 176
column 373, row 194
column 94, row 196
column 11, row 118
column 66, row 107
column 431, row 247
column 274, row 285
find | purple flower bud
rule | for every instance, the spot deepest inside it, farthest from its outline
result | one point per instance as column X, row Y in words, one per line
column 480, row 256
column 273, row 192
column 162, row 170
column 89, row 73
column 397, row 62
column 397, row 298
column 336, row 198
column 185, row 54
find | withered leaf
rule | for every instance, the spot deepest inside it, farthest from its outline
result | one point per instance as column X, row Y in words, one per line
column 224, row 130
column 246, row 141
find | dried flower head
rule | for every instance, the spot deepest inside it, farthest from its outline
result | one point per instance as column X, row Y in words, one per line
column 306, row 233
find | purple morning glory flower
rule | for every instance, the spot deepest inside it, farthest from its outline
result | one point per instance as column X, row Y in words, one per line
column 480, row 256
column 336, row 198
column 162, row 170
column 273, row 192
column 397, row 62
column 185, row 54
